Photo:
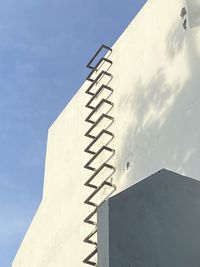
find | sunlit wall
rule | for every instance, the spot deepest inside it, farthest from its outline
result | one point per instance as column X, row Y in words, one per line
column 156, row 77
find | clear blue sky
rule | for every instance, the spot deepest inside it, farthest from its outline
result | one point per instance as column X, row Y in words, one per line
column 44, row 46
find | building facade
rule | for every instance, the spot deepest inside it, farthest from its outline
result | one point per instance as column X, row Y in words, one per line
column 152, row 108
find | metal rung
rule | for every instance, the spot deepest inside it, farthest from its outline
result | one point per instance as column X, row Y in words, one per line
column 88, row 238
column 104, row 165
column 87, row 134
column 103, row 101
column 87, row 150
column 87, row 201
column 100, row 75
column 87, row 260
column 107, row 48
column 96, row 67
column 103, row 148
column 87, row 219
column 101, row 89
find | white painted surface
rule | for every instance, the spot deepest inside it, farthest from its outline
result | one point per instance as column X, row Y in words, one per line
column 156, row 69
column 56, row 233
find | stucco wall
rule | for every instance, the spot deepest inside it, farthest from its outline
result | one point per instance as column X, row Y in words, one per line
column 156, row 94
column 156, row 80
column 55, row 237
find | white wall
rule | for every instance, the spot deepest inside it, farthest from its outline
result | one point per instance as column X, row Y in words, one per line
column 156, row 69
column 157, row 94
column 56, row 233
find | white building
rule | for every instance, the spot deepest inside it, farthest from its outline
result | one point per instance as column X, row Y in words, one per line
column 155, row 80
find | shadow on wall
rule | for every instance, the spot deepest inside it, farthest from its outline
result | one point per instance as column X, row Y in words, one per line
column 163, row 129
column 175, row 41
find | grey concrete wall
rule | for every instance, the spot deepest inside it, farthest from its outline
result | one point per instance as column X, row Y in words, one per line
column 154, row 223
column 194, row 12
column 103, row 239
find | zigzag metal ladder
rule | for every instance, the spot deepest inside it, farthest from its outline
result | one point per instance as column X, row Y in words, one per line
column 107, row 180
